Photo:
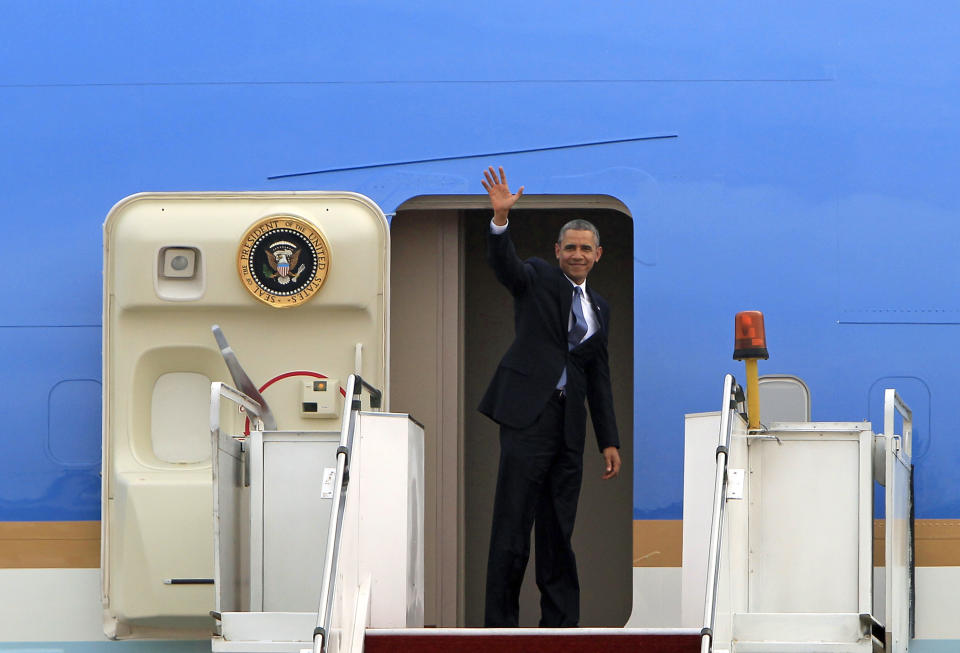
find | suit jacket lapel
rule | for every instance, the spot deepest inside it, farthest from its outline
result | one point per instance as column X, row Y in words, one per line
column 566, row 301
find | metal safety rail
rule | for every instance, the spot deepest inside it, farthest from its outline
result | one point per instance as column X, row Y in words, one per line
column 899, row 566
column 355, row 386
column 732, row 399
column 254, row 412
column 893, row 404
column 252, row 408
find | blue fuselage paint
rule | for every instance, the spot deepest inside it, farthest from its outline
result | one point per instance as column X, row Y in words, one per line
column 811, row 175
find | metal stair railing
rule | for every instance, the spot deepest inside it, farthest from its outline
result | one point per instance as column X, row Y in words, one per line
column 732, row 397
column 900, row 591
column 254, row 412
column 355, row 386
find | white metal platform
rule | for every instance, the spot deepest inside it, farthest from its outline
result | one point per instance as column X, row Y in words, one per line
column 778, row 526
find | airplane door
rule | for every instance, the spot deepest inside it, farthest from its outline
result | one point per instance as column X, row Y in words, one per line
column 298, row 282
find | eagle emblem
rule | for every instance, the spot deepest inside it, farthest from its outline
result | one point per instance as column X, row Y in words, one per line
column 282, row 257
column 283, row 260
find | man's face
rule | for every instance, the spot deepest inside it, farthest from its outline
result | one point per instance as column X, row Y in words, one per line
column 577, row 253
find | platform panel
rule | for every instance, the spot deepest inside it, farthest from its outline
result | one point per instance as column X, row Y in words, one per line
column 804, row 525
column 296, row 518
column 231, row 533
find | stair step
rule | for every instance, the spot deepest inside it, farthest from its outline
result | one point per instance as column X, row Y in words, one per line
column 811, row 632
column 533, row 640
column 803, row 647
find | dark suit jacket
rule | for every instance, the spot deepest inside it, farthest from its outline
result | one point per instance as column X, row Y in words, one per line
column 529, row 371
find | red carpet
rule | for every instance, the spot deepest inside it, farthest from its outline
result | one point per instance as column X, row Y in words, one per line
column 476, row 640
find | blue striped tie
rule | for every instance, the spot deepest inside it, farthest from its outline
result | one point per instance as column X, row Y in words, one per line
column 577, row 330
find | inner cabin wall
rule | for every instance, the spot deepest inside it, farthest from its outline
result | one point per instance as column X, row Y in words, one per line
column 425, row 381
column 602, row 538
column 450, row 323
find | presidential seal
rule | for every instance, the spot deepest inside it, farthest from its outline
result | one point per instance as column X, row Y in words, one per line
column 283, row 260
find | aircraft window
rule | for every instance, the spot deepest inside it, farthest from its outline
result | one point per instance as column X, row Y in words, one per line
column 73, row 437
column 180, row 417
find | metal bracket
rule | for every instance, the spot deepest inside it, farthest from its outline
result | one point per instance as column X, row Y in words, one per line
column 735, row 478
column 763, row 437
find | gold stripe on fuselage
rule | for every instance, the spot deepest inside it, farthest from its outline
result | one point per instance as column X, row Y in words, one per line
column 54, row 544
column 656, row 543
column 659, row 542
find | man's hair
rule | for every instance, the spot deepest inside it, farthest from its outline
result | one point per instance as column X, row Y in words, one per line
column 579, row 225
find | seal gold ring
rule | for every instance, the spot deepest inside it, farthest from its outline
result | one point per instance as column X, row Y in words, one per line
column 283, row 260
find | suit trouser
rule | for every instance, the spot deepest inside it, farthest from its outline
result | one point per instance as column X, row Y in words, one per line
column 538, row 481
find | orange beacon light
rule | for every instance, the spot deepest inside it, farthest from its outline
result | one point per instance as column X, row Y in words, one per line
column 750, row 345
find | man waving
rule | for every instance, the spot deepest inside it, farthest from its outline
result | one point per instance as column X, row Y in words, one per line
column 556, row 363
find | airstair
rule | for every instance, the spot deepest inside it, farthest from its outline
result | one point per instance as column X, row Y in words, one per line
column 346, row 507
column 305, row 555
column 789, row 564
column 789, row 519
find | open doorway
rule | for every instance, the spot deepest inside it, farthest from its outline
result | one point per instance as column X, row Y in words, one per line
column 450, row 323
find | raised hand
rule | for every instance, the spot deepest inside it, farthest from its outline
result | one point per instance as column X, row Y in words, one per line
column 501, row 199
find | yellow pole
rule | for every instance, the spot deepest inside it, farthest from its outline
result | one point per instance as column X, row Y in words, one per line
column 753, row 394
